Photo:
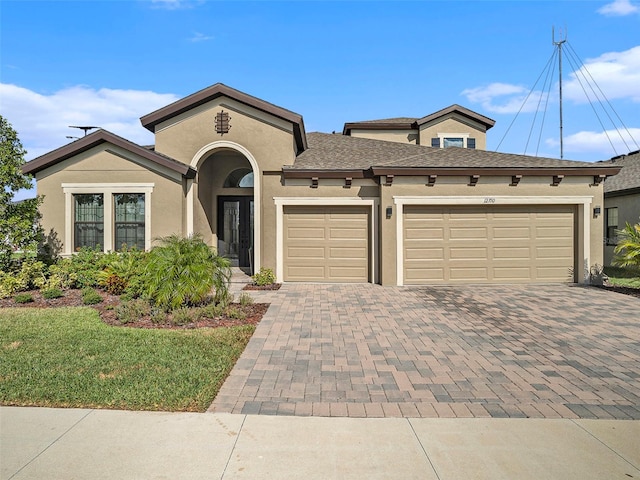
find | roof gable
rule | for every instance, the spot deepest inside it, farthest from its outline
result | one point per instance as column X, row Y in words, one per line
column 465, row 112
column 96, row 138
column 185, row 104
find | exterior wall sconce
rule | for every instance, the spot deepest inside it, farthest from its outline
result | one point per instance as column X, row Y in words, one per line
column 389, row 212
column 596, row 211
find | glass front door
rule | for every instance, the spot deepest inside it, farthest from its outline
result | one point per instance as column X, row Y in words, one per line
column 235, row 230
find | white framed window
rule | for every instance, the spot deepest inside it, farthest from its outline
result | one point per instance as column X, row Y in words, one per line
column 110, row 215
column 611, row 219
column 446, row 140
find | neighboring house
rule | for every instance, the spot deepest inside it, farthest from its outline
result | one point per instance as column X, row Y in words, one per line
column 621, row 200
column 318, row 207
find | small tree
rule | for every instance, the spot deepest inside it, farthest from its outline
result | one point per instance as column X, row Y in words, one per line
column 628, row 248
column 18, row 220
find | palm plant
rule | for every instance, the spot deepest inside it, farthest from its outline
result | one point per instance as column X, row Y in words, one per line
column 628, row 248
column 184, row 271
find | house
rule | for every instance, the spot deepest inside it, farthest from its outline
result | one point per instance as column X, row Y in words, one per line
column 621, row 200
column 384, row 202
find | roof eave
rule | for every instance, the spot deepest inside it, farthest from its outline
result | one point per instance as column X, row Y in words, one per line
column 94, row 139
column 495, row 171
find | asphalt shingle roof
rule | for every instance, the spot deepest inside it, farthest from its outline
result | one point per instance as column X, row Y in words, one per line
column 340, row 152
column 629, row 176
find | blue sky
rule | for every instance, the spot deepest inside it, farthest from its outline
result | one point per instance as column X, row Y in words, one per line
column 107, row 63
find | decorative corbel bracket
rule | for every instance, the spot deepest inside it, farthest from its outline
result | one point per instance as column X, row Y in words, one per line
column 597, row 180
column 388, row 181
column 473, row 179
column 347, row 182
column 314, row 182
column 515, row 180
column 556, row 180
column 431, row 180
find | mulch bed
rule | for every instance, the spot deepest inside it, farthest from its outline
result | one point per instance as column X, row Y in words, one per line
column 253, row 286
column 73, row 298
column 634, row 292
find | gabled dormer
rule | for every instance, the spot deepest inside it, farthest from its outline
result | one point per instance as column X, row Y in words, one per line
column 454, row 126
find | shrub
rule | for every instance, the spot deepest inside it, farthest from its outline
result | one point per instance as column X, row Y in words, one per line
column 8, row 284
column 183, row 271
column 182, row 316
column 211, row 310
column 23, row 298
column 90, row 296
column 123, row 272
column 627, row 251
column 50, row 293
column 264, row 277
column 235, row 313
column 245, row 299
column 131, row 311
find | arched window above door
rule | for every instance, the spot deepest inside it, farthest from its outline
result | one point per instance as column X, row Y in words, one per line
column 240, row 177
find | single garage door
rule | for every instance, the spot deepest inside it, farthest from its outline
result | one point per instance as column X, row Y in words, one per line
column 326, row 244
column 492, row 244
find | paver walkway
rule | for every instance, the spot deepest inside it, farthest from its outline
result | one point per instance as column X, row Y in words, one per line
column 552, row 351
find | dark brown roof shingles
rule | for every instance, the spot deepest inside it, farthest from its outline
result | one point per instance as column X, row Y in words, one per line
column 629, row 176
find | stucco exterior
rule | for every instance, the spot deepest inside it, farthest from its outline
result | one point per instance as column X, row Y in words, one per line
column 183, row 178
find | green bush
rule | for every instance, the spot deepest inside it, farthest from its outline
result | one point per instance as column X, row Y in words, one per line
column 23, row 298
column 235, row 313
column 50, row 293
column 264, row 277
column 131, row 311
column 245, row 299
column 182, row 316
column 627, row 251
column 123, row 273
column 90, row 296
column 25, row 275
column 184, row 272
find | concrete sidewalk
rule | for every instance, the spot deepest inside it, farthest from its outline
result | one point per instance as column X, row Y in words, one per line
column 37, row 443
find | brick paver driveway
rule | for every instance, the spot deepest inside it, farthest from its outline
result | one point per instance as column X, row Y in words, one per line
column 499, row 351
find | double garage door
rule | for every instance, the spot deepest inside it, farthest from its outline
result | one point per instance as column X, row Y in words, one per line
column 326, row 244
column 492, row 244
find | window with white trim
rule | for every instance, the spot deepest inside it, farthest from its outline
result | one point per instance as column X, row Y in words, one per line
column 460, row 140
column 611, row 222
column 129, row 220
column 88, row 225
column 108, row 215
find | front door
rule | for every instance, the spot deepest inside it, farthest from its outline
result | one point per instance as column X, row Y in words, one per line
column 235, row 230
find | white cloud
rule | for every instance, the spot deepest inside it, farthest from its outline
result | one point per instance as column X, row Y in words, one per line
column 619, row 8
column 176, row 4
column 42, row 120
column 504, row 98
column 598, row 144
column 200, row 37
column 616, row 73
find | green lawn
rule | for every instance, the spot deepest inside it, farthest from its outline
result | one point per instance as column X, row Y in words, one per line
column 67, row 357
column 624, row 277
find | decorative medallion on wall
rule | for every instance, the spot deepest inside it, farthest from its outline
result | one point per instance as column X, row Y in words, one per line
column 222, row 122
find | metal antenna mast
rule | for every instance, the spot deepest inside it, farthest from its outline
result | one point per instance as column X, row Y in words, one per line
column 559, row 45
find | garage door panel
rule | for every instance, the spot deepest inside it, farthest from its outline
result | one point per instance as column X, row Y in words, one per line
column 308, row 233
column 359, row 253
column 326, row 244
column 511, row 232
column 467, row 253
column 467, row 233
column 305, row 252
column 511, row 253
column 425, row 233
column 488, row 244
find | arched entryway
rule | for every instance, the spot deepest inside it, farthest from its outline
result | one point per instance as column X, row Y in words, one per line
column 224, row 202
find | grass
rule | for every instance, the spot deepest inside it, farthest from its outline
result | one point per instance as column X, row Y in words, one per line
column 67, row 357
column 623, row 277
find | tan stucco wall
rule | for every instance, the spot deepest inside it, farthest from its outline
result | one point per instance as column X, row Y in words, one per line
column 268, row 139
column 399, row 136
column 628, row 211
column 453, row 124
column 99, row 166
